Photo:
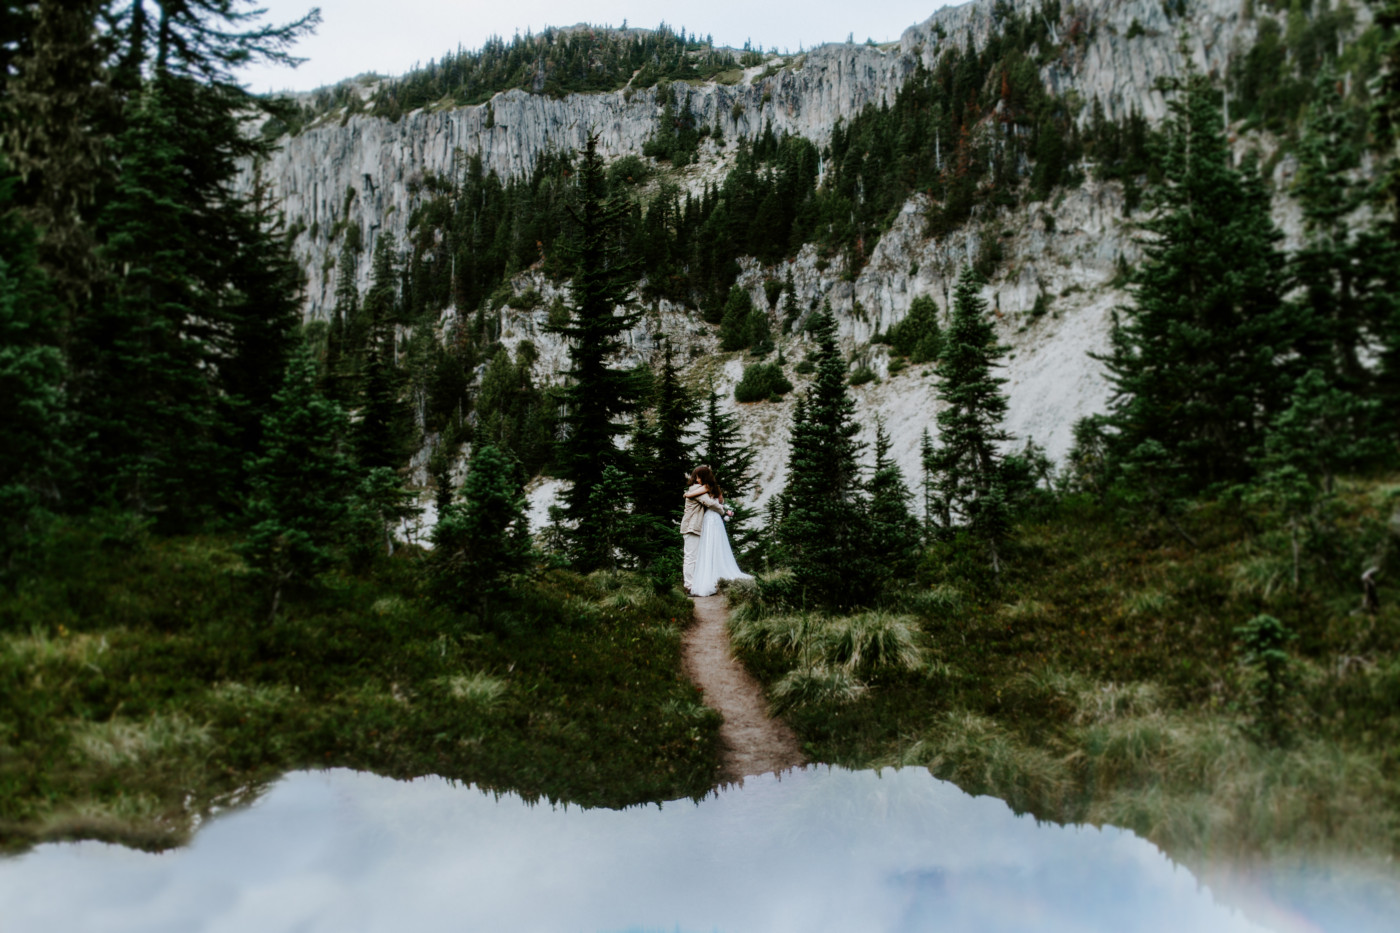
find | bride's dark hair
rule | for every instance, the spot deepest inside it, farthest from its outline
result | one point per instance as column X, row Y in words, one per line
column 706, row 476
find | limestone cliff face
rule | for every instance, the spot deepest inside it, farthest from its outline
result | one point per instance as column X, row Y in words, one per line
column 1065, row 252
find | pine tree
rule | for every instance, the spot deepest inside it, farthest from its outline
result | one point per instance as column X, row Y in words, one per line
column 1385, row 123
column 826, row 532
column 597, row 393
column 382, row 432
column 722, row 447
column 32, row 453
column 482, row 540
column 58, row 117
column 1341, row 270
column 264, row 313
column 148, row 415
column 339, row 380
column 926, row 485
column 1306, row 446
column 300, row 478
column 734, row 328
column 1194, row 358
column 663, row 455
column 967, row 464
column 894, row 532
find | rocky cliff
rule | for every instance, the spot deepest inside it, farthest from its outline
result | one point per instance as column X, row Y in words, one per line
column 1065, row 252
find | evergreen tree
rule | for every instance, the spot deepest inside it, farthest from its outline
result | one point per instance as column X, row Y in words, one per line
column 926, row 486
column 735, row 331
column 481, row 541
column 825, row 536
column 58, row 114
column 1385, row 122
column 263, row 313
column 597, row 393
column 339, row 351
column 512, row 412
column 918, row 336
column 759, row 334
column 894, row 532
column 1341, row 270
column 148, row 415
column 1194, row 359
column 31, row 382
column 663, row 455
column 1306, row 446
column 722, row 447
column 300, row 478
column 967, row 465
column 382, row 432
column 378, row 505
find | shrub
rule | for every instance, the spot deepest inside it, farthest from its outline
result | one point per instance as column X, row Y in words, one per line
column 862, row 375
column 762, row 381
column 629, row 170
column 1264, row 640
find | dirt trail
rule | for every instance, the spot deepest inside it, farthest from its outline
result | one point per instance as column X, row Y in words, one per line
column 754, row 743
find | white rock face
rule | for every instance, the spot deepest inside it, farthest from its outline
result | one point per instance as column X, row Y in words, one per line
column 1051, row 380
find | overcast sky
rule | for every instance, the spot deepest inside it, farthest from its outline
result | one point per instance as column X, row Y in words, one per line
column 390, row 36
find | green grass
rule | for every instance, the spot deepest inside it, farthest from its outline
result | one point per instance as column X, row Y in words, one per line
column 141, row 687
column 1100, row 679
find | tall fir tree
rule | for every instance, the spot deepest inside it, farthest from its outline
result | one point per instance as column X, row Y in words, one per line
column 723, row 448
column 382, row 432
column 1385, row 124
column 58, row 114
column 598, row 393
column 483, row 538
column 339, row 377
column 926, row 485
column 894, row 532
column 1194, row 359
column 32, row 452
column 300, row 478
column 1345, row 273
column 967, row 461
column 825, row 535
column 263, row 313
column 149, row 417
column 663, row 455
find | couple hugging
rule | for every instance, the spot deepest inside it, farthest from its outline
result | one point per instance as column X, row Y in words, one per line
column 708, row 558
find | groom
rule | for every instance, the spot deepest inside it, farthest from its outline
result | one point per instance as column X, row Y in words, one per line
column 692, row 519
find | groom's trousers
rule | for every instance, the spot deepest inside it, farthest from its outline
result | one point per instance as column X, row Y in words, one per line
column 692, row 550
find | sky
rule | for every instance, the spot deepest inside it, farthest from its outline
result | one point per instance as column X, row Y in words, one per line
column 390, row 36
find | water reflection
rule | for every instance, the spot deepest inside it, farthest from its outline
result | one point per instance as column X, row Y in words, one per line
column 819, row 850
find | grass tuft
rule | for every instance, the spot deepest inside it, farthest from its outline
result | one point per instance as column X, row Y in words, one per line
column 816, row 685
column 480, row 689
column 117, row 743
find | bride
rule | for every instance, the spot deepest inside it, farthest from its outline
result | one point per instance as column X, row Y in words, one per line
column 715, row 562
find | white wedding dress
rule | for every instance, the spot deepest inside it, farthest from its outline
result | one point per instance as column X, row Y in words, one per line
column 715, row 561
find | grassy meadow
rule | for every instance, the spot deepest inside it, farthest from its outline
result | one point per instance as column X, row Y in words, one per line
column 1102, row 678
column 142, row 687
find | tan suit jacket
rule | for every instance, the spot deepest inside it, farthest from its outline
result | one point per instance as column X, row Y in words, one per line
column 694, row 515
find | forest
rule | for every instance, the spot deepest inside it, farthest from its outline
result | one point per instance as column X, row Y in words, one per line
column 200, row 581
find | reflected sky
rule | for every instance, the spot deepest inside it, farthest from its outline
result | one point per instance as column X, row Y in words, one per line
column 817, row 850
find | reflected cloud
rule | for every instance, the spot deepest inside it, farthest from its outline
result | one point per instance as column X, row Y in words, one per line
column 819, row 849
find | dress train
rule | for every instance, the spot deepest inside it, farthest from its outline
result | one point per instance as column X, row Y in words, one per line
column 715, row 561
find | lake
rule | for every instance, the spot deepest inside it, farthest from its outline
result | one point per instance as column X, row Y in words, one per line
column 819, row 849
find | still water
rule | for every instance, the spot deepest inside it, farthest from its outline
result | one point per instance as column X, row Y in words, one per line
column 820, row 849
